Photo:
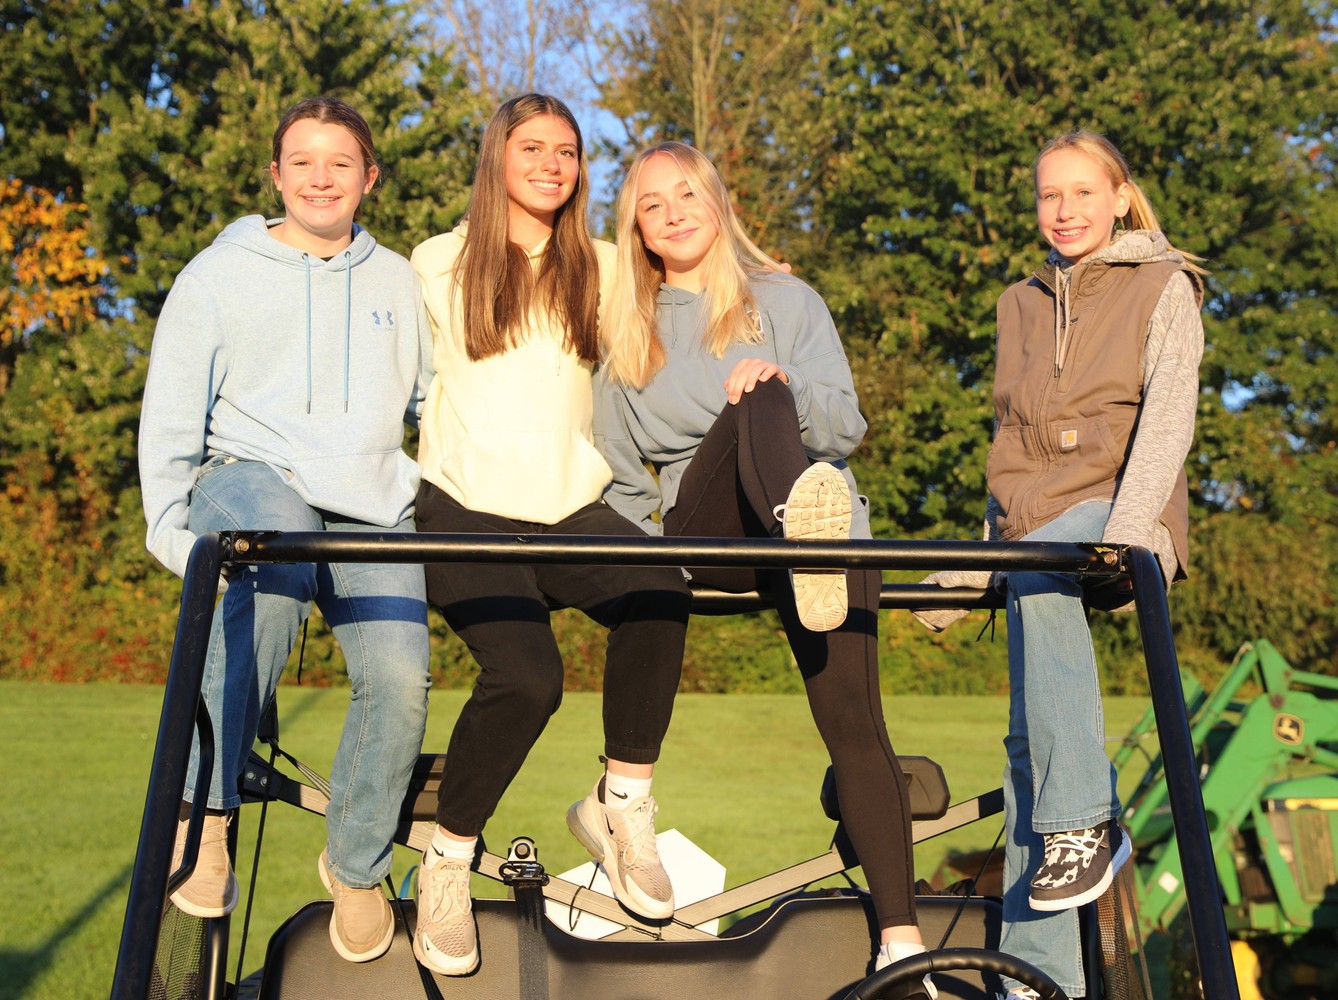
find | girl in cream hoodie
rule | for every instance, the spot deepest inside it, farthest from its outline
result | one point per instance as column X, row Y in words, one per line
column 506, row 448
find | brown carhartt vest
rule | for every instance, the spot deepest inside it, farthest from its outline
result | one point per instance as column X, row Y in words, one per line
column 1062, row 435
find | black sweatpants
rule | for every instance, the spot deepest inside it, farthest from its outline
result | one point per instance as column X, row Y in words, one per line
column 501, row 611
column 743, row 469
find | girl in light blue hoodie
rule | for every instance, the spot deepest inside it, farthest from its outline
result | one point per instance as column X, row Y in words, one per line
column 287, row 360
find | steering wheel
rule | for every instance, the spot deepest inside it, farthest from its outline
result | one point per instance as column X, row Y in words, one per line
column 909, row 972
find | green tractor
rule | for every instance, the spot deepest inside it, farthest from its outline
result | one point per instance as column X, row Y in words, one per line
column 1267, row 744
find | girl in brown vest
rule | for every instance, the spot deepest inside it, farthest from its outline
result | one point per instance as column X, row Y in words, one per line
column 1095, row 391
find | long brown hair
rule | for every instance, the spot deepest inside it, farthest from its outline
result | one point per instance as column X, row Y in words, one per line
column 1112, row 162
column 500, row 289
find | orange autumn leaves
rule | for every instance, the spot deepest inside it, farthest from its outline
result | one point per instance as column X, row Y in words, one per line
column 51, row 276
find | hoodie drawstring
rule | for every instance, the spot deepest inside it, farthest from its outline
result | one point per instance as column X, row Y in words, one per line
column 348, row 319
column 306, row 259
column 348, row 324
column 1063, row 289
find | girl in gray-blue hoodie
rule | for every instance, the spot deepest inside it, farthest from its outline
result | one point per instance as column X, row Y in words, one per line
column 287, row 360
column 728, row 379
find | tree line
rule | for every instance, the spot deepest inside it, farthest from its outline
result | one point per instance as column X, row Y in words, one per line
column 884, row 149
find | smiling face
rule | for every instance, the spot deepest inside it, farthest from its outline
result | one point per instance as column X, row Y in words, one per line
column 322, row 176
column 1077, row 203
column 675, row 224
column 542, row 163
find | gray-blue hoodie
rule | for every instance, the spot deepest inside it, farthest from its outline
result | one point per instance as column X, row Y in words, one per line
column 269, row 354
column 665, row 422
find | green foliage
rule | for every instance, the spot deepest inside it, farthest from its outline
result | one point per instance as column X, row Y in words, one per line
column 169, row 165
column 943, row 107
column 885, row 149
column 1244, row 576
column 732, row 79
column 904, row 149
column 158, row 118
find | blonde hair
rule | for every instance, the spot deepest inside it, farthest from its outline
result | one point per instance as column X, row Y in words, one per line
column 633, row 352
column 1095, row 145
column 494, row 275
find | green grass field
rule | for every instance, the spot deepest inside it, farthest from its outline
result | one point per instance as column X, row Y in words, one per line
column 739, row 775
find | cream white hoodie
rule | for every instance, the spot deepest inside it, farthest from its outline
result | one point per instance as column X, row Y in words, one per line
column 510, row 434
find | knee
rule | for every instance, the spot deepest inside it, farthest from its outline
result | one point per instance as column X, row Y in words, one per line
column 663, row 595
column 530, row 695
column 402, row 685
column 647, row 597
column 765, row 395
column 538, row 700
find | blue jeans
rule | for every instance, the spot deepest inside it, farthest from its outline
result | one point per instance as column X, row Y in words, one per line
column 1058, row 775
column 377, row 612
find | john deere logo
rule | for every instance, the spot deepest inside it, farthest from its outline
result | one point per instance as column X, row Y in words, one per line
column 1288, row 729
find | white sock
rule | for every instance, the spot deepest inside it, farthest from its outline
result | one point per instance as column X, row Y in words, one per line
column 450, row 849
column 895, row 951
column 620, row 791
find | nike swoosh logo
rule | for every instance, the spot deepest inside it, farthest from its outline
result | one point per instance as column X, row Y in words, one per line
column 609, row 825
column 620, row 795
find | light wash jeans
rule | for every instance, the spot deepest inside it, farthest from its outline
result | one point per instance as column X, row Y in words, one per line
column 378, row 613
column 1058, row 775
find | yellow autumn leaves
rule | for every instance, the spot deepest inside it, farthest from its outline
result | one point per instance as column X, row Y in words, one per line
column 52, row 275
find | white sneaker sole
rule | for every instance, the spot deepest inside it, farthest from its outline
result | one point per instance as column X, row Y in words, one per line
column 196, row 909
column 205, row 912
column 590, row 832
column 345, row 952
column 441, row 963
column 819, row 509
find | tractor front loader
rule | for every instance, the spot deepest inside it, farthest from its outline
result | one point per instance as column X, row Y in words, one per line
column 1267, row 742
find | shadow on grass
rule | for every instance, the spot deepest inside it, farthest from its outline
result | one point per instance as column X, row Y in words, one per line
column 20, row 969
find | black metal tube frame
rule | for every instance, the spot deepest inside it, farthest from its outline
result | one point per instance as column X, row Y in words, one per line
column 181, row 698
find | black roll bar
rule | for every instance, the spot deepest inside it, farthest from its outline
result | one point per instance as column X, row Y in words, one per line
column 181, row 698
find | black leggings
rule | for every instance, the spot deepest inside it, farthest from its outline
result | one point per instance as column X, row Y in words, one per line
column 744, row 468
column 501, row 611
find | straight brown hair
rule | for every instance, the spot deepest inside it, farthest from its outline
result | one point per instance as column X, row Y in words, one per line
column 500, row 289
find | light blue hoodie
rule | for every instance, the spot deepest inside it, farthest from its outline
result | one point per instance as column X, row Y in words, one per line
column 268, row 354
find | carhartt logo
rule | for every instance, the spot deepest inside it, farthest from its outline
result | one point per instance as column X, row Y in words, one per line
column 1068, row 440
column 376, row 318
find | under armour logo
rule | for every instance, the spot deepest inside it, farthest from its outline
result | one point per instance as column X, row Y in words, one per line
column 376, row 317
